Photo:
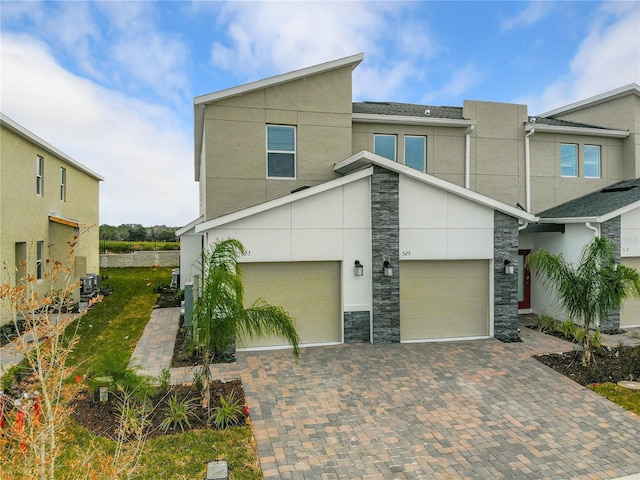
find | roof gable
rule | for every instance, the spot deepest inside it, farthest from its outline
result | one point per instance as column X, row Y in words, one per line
column 364, row 159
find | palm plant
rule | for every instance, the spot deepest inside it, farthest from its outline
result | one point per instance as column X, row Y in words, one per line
column 590, row 291
column 219, row 314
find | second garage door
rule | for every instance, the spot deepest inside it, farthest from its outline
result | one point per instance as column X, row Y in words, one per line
column 630, row 311
column 309, row 291
column 444, row 299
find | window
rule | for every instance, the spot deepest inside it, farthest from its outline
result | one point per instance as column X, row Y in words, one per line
column 385, row 146
column 568, row 160
column 39, row 173
column 281, row 151
column 592, row 161
column 415, row 150
column 63, row 184
column 39, row 255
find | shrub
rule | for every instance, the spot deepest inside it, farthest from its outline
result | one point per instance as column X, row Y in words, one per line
column 228, row 413
column 546, row 323
column 178, row 413
column 567, row 328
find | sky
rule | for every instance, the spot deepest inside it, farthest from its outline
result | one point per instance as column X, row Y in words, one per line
column 112, row 83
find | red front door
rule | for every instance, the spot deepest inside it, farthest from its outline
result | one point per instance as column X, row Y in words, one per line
column 524, row 281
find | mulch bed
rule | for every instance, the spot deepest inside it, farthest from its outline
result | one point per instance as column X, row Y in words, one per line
column 103, row 419
column 612, row 364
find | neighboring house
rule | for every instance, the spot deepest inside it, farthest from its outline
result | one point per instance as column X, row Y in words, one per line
column 311, row 182
column 46, row 199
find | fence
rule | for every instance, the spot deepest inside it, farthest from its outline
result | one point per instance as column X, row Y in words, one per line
column 143, row 258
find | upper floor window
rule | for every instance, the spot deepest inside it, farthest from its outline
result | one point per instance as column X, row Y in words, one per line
column 281, row 151
column 385, row 146
column 415, row 152
column 592, row 161
column 39, row 174
column 63, row 184
column 568, row 160
column 39, row 256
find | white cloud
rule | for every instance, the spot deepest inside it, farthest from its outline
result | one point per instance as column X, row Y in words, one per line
column 609, row 57
column 143, row 153
column 267, row 38
column 535, row 11
column 462, row 79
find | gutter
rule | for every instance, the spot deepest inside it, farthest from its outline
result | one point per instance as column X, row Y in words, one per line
column 527, row 169
column 467, row 155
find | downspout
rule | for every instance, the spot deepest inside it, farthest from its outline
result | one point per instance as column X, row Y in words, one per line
column 595, row 229
column 467, row 155
column 527, row 170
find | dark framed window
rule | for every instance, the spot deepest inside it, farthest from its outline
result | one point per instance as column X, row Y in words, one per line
column 281, row 151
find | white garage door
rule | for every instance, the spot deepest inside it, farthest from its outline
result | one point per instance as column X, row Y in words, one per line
column 308, row 291
column 444, row 299
column 630, row 312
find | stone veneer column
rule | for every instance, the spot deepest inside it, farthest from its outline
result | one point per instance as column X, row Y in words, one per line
column 357, row 326
column 611, row 229
column 385, row 238
column 505, row 286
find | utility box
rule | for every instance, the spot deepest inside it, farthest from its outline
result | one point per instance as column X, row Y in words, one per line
column 217, row 470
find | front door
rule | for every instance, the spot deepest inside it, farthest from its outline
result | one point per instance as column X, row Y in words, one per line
column 524, row 281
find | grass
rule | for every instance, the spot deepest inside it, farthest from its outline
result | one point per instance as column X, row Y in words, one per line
column 121, row 317
column 118, row 322
column 627, row 398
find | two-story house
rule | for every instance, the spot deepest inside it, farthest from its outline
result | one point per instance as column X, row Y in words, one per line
column 47, row 199
column 389, row 222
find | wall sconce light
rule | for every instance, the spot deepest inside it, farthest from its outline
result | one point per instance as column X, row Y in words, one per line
column 358, row 269
column 508, row 267
column 387, row 269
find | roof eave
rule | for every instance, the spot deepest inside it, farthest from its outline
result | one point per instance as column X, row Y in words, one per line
column 23, row 132
column 278, row 202
column 629, row 89
column 409, row 120
column 585, row 131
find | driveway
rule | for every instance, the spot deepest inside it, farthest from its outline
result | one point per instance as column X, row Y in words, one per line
column 475, row 409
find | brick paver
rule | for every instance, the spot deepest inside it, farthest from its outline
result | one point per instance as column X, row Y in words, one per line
column 478, row 409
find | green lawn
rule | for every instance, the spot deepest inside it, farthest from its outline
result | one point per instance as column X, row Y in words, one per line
column 117, row 323
column 627, row 398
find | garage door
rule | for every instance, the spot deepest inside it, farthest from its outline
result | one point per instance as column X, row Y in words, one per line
column 630, row 312
column 309, row 291
column 444, row 299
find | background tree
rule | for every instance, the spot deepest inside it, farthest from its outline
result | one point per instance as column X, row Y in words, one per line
column 590, row 291
column 219, row 314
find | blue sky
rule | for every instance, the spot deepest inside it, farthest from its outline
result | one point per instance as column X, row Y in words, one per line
column 112, row 83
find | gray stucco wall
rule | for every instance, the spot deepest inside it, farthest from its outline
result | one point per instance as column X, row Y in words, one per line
column 385, row 237
column 505, row 293
column 161, row 258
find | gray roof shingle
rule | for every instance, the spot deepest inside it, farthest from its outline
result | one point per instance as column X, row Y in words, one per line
column 595, row 204
column 407, row 110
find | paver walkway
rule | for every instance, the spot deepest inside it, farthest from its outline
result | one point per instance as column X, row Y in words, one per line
column 478, row 409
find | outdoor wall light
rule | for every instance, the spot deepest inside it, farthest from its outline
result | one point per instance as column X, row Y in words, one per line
column 358, row 269
column 387, row 269
column 508, row 267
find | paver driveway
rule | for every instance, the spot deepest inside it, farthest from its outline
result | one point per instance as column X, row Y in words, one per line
column 475, row 409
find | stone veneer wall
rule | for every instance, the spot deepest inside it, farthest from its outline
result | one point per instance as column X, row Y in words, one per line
column 385, row 239
column 505, row 286
column 357, row 326
column 611, row 229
